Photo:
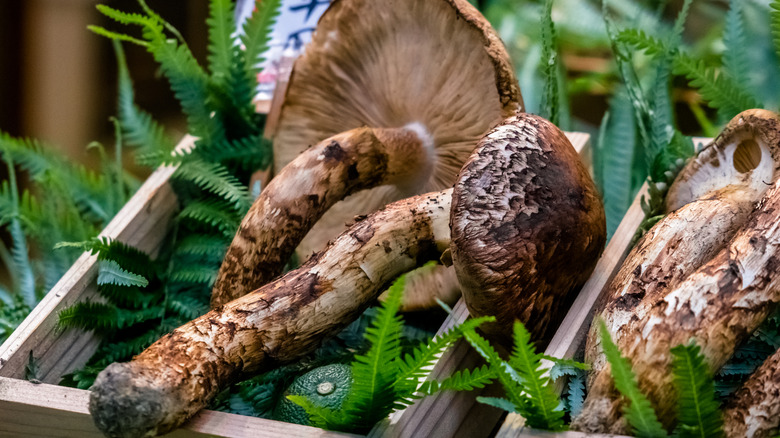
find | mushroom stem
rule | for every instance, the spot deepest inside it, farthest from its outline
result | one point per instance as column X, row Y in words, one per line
column 718, row 306
column 306, row 188
column 754, row 410
column 180, row 373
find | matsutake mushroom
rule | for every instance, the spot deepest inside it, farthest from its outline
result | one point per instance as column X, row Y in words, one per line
column 415, row 83
column 538, row 182
column 712, row 199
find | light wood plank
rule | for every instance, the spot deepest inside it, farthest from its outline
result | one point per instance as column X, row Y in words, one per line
column 42, row 410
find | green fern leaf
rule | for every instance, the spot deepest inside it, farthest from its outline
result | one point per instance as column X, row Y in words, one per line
column 194, row 273
column 216, row 179
column 89, row 316
column 190, row 86
column 22, row 266
column 109, row 272
column 138, row 127
column 464, row 380
column 675, row 39
column 544, row 411
column 214, row 214
column 257, row 35
column 373, row 395
column 774, row 16
column 735, row 61
column 699, row 414
column 638, row 412
column 497, row 402
column 640, row 40
column 575, row 394
column 718, row 90
column 206, row 247
column 221, row 40
column 116, row 36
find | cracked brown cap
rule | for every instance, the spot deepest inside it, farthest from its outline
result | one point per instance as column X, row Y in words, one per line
column 523, row 244
column 436, row 65
column 745, row 154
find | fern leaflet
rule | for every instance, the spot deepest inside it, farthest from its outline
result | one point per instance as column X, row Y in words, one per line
column 699, row 414
column 638, row 412
column 109, row 272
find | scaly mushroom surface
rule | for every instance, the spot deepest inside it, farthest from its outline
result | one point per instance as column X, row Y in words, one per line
column 279, row 322
column 434, row 72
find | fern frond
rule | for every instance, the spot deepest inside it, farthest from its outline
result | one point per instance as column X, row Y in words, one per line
column 415, row 367
column 544, row 411
column 214, row 214
column 675, row 39
column 109, row 272
column 718, row 90
column 221, row 45
column 575, row 394
column 216, row 179
column 89, row 316
column 699, row 413
column 498, row 403
column 374, row 373
column 257, row 35
column 126, row 18
column 138, row 126
column 190, row 86
column 207, row 247
column 116, row 36
column 464, row 380
column 30, row 155
column 186, row 307
column 195, row 273
column 735, row 61
column 244, row 154
column 22, row 265
column 640, row 40
column 638, row 411
column 774, row 16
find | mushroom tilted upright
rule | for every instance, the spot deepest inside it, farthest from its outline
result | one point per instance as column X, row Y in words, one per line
column 181, row 372
column 415, row 82
column 714, row 199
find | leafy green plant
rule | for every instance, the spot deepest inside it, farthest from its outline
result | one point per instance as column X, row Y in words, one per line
column 146, row 298
column 386, row 378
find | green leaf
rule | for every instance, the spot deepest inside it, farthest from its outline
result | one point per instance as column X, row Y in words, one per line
column 550, row 67
column 257, row 35
column 496, row 402
column 109, row 272
column 735, row 60
column 221, row 40
column 699, row 414
column 638, row 411
column 544, row 406
column 774, row 16
column 214, row 178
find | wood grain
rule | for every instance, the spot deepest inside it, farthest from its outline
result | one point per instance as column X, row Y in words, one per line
column 50, row 411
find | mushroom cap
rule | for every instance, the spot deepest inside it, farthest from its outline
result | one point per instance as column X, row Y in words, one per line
column 745, row 154
column 388, row 64
column 523, row 244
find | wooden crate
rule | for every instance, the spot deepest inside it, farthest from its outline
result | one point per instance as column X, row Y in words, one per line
column 46, row 410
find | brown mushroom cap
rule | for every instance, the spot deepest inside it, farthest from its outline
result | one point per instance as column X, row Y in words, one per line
column 522, row 245
column 745, row 154
column 437, row 63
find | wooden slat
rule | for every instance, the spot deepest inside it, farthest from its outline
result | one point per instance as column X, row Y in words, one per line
column 452, row 414
column 143, row 223
column 49, row 411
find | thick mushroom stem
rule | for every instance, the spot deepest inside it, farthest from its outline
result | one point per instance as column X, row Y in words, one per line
column 718, row 306
column 304, row 190
column 178, row 375
column 523, row 244
column 754, row 410
column 673, row 249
